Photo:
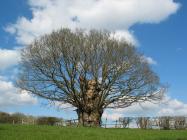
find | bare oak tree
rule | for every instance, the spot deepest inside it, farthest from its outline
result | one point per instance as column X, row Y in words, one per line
column 89, row 70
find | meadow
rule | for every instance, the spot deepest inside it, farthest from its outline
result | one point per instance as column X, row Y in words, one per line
column 39, row 132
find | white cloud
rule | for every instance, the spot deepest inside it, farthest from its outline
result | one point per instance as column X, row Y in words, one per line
column 125, row 35
column 113, row 15
column 112, row 116
column 149, row 60
column 174, row 107
column 168, row 107
column 8, row 58
column 12, row 96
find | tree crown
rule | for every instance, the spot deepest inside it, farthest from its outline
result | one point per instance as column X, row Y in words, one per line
column 75, row 66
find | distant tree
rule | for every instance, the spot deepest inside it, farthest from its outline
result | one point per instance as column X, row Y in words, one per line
column 30, row 120
column 47, row 120
column 18, row 118
column 89, row 70
column 4, row 117
column 125, row 121
column 180, row 122
column 142, row 122
column 164, row 122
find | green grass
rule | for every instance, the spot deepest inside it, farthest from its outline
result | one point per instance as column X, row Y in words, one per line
column 26, row 132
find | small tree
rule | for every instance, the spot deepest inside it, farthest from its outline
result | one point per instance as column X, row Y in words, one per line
column 89, row 70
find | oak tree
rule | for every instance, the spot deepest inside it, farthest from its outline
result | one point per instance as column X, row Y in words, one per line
column 91, row 71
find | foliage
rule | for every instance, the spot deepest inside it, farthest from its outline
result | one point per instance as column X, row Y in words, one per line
column 20, row 118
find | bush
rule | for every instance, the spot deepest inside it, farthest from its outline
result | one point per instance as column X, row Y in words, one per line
column 4, row 117
column 47, row 120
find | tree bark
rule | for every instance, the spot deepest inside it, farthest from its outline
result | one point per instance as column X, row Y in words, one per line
column 92, row 118
column 90, row 113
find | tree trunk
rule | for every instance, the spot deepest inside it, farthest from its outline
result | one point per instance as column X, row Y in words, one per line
column 90, row 113
column 92, row 118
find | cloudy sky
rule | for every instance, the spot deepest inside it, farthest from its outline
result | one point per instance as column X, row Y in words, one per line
column 156, row 27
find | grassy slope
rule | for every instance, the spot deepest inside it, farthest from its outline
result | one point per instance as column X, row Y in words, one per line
column 18, row 132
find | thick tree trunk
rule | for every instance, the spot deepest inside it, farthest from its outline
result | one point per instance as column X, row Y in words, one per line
column 90, row 113
column 92, row 118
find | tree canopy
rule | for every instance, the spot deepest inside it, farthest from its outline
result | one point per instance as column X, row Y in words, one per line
column 89, row 70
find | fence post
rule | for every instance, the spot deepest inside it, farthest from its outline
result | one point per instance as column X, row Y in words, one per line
column 105, row 122
column 116, row 123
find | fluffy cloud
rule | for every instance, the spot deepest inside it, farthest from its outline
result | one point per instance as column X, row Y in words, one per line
column 149, row 60
column 168, row 107
column 113, row 15
column 112, row 115
column 8, row 58
column 174, row 107
column 125, row 35
column 11, row 96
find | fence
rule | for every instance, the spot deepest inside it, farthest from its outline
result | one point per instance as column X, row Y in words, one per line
column 163, row 122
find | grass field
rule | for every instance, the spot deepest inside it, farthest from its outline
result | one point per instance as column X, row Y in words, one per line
column 26, row 132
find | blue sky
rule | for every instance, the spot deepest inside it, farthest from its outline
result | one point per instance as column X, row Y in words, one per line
column 157, row 27
column 167, row 44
